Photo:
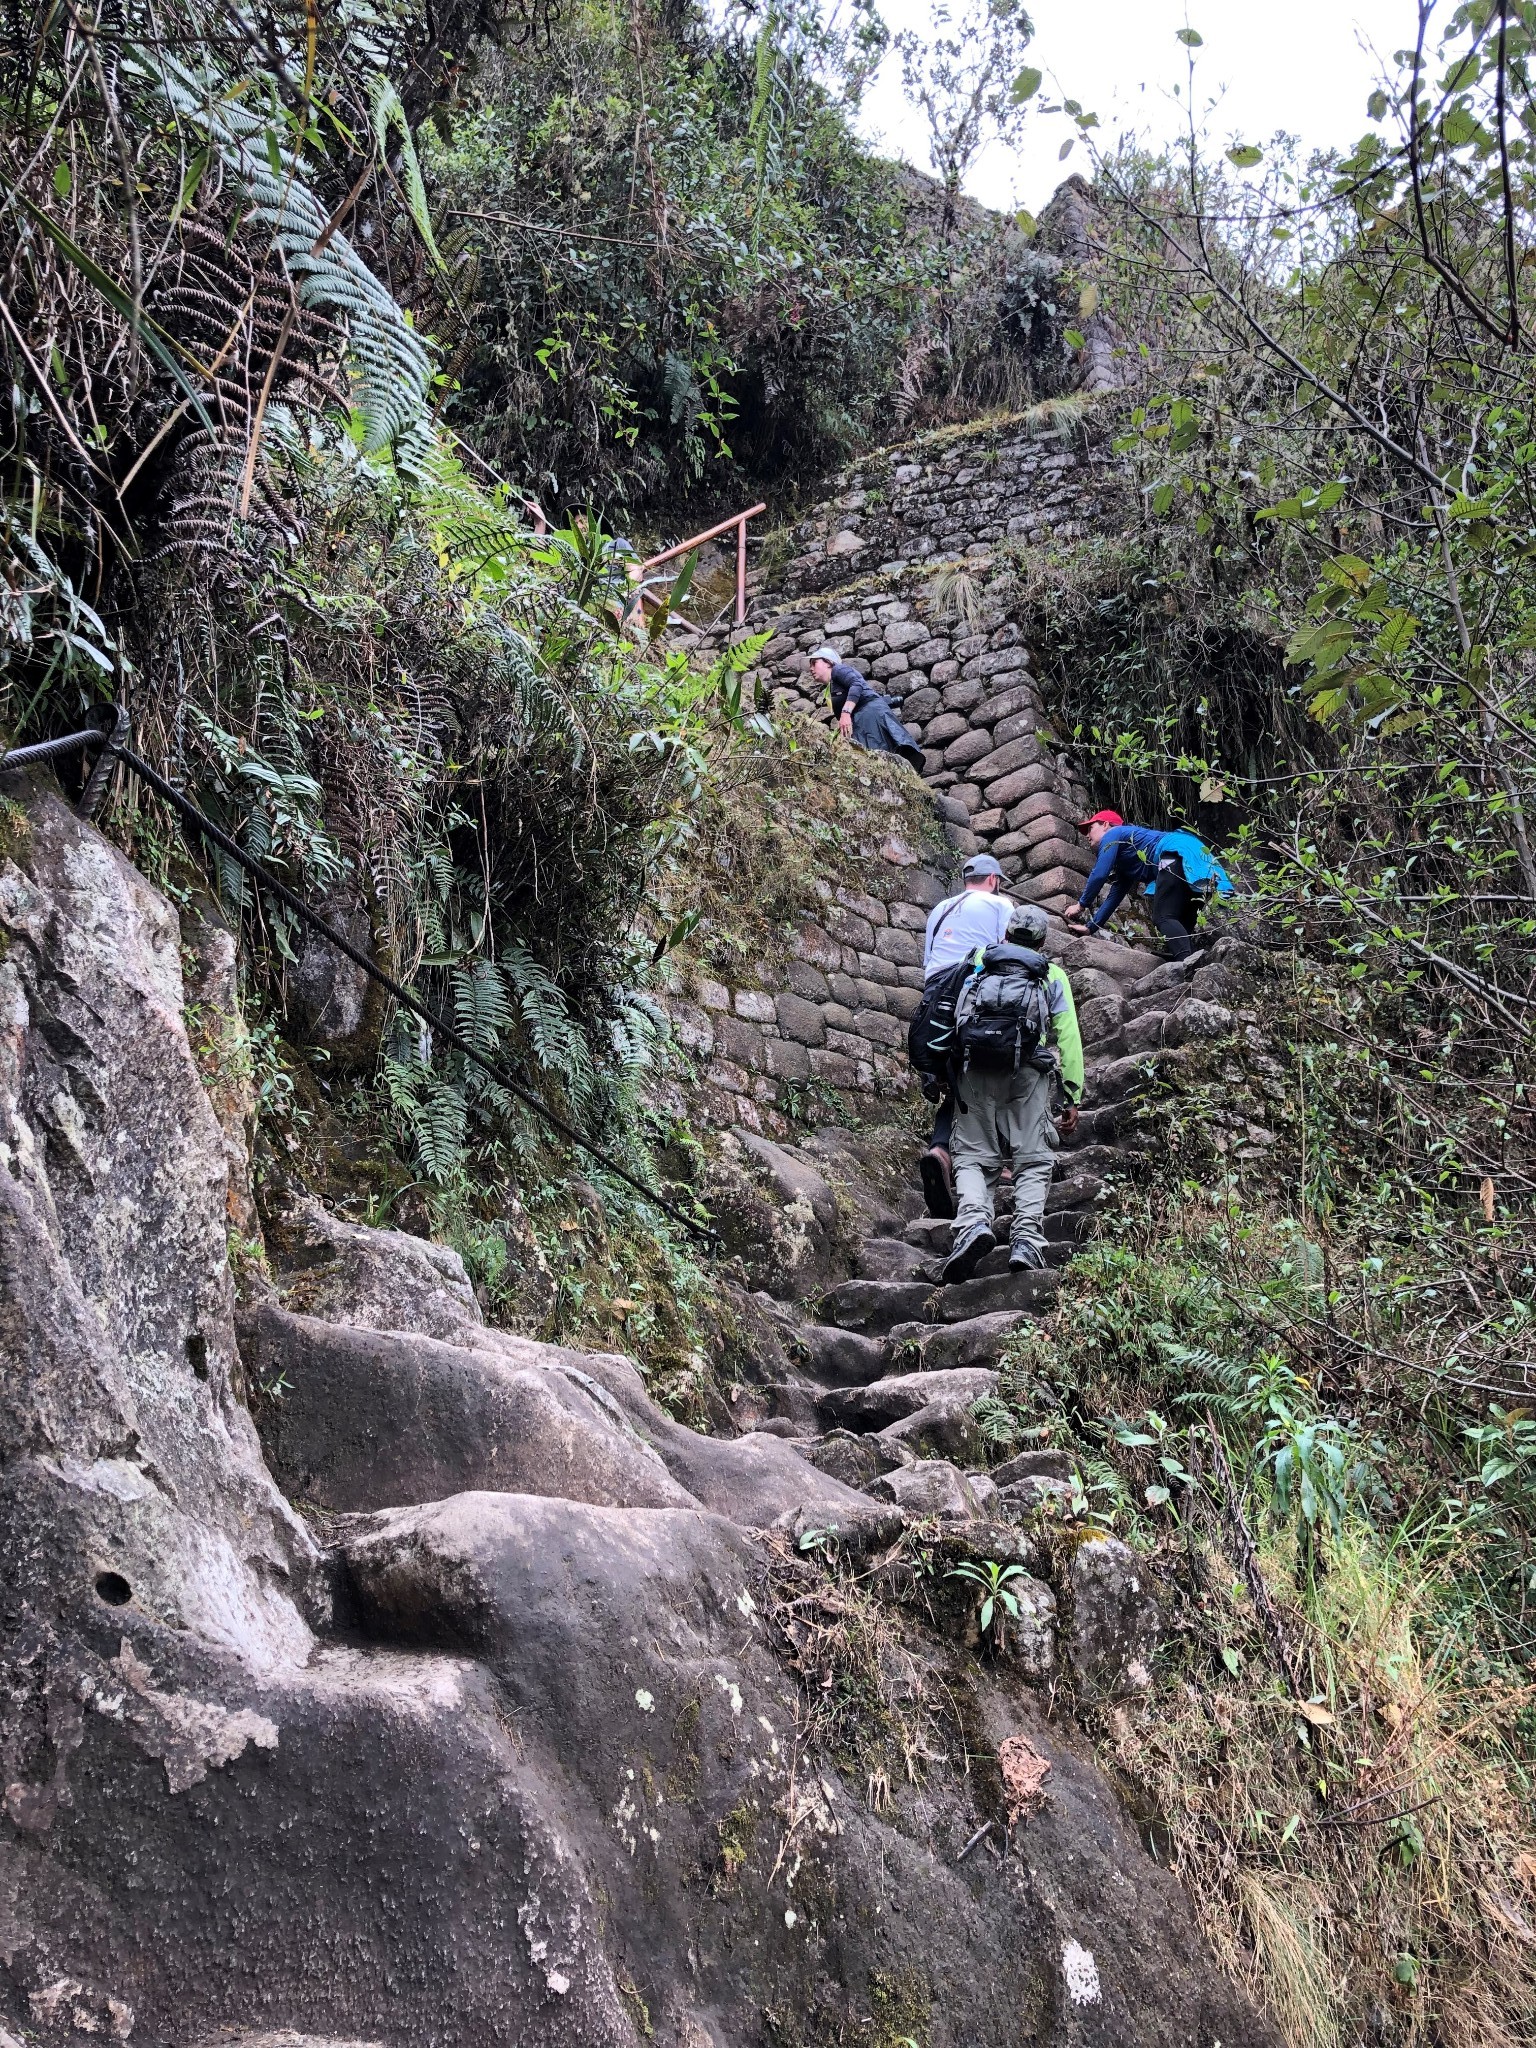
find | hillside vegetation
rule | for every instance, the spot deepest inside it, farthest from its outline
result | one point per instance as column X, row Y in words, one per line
column 298, row 314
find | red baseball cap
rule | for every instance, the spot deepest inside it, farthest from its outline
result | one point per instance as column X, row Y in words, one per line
column 1101, row 818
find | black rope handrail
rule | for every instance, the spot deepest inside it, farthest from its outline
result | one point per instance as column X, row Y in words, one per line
column 110, row 737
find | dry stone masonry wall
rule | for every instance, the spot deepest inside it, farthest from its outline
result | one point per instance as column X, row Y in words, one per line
column 967, row 693
column 961, row 493
column 863, row 578
column 835, row 1015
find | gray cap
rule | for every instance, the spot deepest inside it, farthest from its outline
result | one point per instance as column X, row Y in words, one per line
column 978, row 865
column 824, row 654
column 1028, row 922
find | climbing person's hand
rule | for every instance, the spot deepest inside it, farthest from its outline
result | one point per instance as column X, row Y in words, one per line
column 845, row 725
column 1066, row 1123
column 1075, row 918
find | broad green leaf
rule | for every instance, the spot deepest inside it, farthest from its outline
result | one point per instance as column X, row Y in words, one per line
column 1191, row 38
column 1162, row 498
column 1065, row 151
column 1245, row 155
column 1072, row 338
column 1376, row 106
column 1396, row 634
column 1323, row 646
column 62, row 181
column 1026, row 85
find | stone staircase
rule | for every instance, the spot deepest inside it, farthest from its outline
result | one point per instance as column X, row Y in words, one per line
column 887, row 1366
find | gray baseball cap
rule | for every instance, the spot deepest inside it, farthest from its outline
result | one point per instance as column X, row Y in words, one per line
column 980, row 864
column 825, row 654
column 1028, row 921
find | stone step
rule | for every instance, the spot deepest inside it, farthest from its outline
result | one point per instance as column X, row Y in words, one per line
column 791, row 1408
column 1043, row 1463
column 841, row 1358
column 973, row 1298
column 893, row 1258
column 1112, row 1080
column 938, row 1347
column 902, row 1395
column 930, row 1234
column 1084, row 1157
column 874, row 1307
column 1068, row 1226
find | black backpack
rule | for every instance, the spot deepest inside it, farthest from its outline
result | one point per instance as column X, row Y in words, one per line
column 931, row 1034
column 1002, row 1011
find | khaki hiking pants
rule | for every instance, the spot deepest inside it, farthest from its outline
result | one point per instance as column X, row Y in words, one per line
column 1004, row 1119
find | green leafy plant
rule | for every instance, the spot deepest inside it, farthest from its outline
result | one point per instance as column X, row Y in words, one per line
column 993, row 1581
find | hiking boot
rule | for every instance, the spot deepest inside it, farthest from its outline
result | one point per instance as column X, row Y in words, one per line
column 937, row 1174
column 1025, row 1258
column 968, row 1254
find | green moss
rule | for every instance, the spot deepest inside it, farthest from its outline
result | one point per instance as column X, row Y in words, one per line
column 636, row 2007
column 15, row 829
column 737, row 1832
column 902, row 2004
column 682, row 1781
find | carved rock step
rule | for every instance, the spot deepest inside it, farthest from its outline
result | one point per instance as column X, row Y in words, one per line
column 894, row 1258
column 941, row 1347
column 842, row 1358
column 875, row 1307
column 973, row 1298
column 903, row 1395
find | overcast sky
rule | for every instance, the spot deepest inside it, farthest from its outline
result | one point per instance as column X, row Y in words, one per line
column 1305, row 66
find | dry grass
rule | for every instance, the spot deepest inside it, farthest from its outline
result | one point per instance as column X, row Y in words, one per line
column 1363, row 1876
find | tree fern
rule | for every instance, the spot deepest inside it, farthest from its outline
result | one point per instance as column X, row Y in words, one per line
column 392, row 366
column 389, row 114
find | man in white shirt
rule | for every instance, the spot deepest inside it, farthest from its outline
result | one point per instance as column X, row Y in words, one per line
column 978, row 916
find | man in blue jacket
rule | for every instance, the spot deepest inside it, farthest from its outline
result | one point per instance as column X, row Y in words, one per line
column 1177, row 871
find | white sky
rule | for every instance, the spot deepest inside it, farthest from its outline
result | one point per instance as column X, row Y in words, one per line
column 1304, row 66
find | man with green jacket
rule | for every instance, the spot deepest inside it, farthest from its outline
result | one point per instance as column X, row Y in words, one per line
column 1004, row 1111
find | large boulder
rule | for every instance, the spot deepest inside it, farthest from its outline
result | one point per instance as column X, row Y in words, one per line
column 129, row 1470
column 1113, row 1624
column 351, row 1273
column 777, row 1212
column 358, row 1419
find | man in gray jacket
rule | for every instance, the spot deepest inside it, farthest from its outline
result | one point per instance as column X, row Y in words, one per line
column 978, row 916
column 1004, row 1102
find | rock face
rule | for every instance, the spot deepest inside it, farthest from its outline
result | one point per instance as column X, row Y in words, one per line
column 501, row 1766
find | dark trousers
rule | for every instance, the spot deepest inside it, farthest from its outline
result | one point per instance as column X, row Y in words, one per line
column 1175, row 910
column 943, row 1122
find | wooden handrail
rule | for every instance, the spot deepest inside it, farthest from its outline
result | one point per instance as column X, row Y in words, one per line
column 686, row 547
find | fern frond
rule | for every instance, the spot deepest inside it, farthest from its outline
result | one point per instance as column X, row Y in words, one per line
column 393, row 368
column 389, row 113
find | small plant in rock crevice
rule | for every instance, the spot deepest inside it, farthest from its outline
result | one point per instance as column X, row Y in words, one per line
column 999, row 1603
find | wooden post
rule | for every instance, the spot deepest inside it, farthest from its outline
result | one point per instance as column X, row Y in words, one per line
column 741, row 570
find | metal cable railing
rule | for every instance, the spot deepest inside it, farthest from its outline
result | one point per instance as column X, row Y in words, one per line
column 111, row 736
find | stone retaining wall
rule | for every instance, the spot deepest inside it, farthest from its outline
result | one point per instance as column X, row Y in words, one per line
column 862, row 580
column 1041, row 476
column 832, row 1017
column 967, row 693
